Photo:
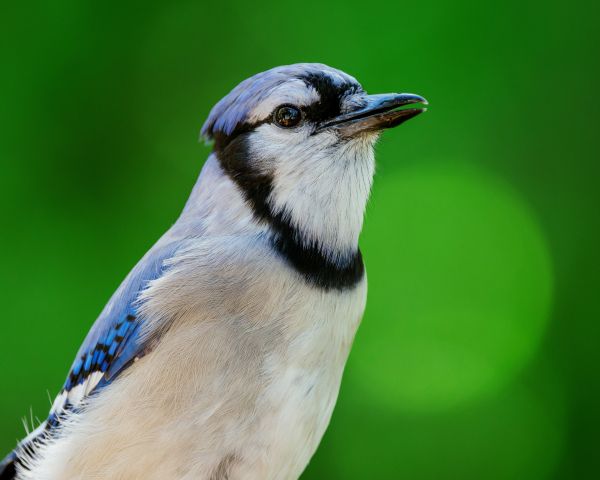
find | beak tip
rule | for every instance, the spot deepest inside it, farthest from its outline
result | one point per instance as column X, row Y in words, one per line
column 412, row 98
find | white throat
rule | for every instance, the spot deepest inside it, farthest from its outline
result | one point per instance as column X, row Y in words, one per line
column 323, row 192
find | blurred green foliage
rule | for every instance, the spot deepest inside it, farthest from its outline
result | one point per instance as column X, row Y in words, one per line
column 478, row 355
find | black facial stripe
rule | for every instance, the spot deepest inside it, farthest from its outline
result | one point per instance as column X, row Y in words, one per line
column 256, row 186
column 317, row 269
column 222, row 140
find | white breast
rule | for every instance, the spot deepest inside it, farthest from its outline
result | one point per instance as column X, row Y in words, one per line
column 305, row 379
column 242, row 385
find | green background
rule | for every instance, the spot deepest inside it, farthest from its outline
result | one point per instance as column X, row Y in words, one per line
column 478, row 354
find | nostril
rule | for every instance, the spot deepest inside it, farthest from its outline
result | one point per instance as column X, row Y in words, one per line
column 352, row 103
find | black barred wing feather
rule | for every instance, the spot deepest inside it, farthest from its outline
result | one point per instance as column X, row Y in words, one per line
column 92, row 369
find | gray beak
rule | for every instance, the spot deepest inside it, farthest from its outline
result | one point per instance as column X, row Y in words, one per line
column 380, row 112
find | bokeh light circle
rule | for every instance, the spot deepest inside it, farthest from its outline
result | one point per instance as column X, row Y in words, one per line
column 460, row 284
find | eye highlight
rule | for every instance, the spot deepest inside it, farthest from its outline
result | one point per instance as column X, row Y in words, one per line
column 287, row 116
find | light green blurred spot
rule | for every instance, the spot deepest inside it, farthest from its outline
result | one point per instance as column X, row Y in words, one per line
column 460, row 285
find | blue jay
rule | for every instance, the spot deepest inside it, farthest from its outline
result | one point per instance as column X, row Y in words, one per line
column 220, row 356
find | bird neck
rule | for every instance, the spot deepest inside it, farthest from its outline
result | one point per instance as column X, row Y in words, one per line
column 313, row 219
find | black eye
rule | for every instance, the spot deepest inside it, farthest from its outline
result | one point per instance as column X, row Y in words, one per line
column 287, row 116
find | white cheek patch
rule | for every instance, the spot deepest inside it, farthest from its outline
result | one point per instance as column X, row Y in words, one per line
column 294, row 92
column 271, row 145
column 272, row 141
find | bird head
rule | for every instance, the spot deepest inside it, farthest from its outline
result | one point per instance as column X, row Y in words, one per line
column 298, row 140
column 306, row 104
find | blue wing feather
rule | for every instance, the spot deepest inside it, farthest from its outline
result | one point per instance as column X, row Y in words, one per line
column 113, row 341
column 111, row 345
